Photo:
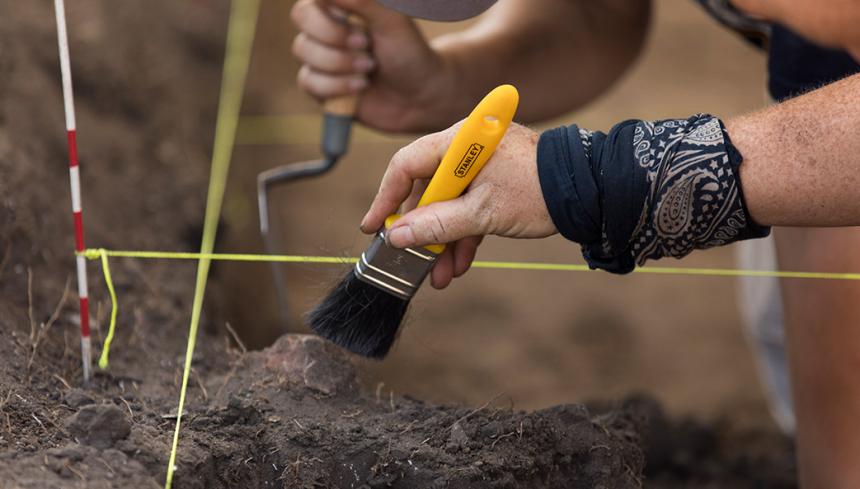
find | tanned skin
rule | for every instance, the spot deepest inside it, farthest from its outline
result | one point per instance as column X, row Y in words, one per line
column 410, row 85
column 802, row 168
column 800, row 159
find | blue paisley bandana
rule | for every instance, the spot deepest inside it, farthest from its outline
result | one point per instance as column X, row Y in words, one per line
column 645, row 190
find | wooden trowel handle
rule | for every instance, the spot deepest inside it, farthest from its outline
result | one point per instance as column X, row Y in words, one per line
column 344, row 105
column 338, row 112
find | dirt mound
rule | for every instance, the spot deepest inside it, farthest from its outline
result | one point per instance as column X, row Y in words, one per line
column 335, row 436
column 292, row 415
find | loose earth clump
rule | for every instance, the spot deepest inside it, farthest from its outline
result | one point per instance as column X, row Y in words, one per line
column 311, row 426
column 292, row 415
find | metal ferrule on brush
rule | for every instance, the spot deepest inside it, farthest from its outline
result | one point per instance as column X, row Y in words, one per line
column 397, row 271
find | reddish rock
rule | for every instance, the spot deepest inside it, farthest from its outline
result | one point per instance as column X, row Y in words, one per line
column 313, row 362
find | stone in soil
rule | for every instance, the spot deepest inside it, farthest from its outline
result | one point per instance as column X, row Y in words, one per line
column 99, row 425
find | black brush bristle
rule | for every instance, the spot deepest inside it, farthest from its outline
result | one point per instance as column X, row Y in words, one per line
column 359, row 317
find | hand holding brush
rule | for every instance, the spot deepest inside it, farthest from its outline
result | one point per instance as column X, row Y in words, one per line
column 504, row 200
column 364, row 311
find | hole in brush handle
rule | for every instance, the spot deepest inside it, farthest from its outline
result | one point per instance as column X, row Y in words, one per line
column 491, row 125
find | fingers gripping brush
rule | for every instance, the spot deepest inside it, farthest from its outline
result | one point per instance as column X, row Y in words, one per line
column 363, row 312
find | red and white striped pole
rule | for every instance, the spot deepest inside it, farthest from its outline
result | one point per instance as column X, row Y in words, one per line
column 75, row 177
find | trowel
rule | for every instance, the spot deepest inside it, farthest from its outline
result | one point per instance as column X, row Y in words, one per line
column 336, row 129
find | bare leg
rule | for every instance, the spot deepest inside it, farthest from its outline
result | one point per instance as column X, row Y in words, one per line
column 760, row 303
column 822, row 321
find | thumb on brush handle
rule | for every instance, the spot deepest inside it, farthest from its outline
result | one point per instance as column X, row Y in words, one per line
column 469, row 151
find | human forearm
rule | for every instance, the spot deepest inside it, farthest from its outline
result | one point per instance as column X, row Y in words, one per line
column 647, row 190
column 802, row 158
column 652, row 189
column 831, row 23
column 558, row 62
column 561, row 53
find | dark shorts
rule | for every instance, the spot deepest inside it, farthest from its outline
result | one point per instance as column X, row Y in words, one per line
column 795, row 65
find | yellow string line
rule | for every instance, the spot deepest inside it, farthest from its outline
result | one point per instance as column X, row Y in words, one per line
column 103, row 254
column 240, row 38
column 93, row 254
column 240, row 35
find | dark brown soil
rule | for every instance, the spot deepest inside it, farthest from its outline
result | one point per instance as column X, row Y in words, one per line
column 292, row 415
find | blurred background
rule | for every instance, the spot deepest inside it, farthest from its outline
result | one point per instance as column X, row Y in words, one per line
column 533, row 338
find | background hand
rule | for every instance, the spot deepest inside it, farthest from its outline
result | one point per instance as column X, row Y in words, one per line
column 403, row 82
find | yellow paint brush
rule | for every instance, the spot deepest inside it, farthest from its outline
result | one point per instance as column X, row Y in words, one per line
column 364, row 311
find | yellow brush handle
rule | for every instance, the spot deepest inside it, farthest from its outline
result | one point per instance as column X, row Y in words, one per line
column 472, row 147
